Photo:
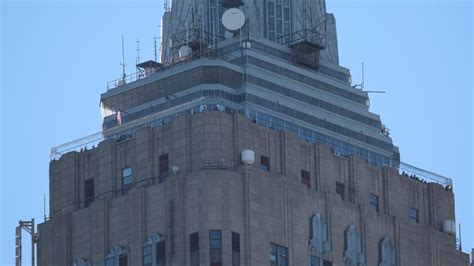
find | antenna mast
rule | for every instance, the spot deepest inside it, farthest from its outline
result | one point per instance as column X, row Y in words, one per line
column 363, row 79
column 361, row 86
column 44, row 207
column 138, row 50
column 156, row 55
column 123, row 62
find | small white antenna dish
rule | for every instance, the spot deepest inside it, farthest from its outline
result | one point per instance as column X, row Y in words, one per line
column 233, row 19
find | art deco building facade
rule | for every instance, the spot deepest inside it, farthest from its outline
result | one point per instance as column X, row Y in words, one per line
column 243, row 147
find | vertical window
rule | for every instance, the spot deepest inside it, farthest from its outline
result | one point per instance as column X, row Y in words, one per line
column 235, row 249
column 353, row 254
column 126, row 179
column 264, row 163
column 387, row 253
column 315, row 261
column 194, row 248
column 273, row 254
column 88, row 192
column 305, row 178
column 215, row 247
column 278, row 22
column 374, row 201
column 123, row 260
column 161, row 253
column 278, row 255
column 154, row 252
column 116, row 257
column 414, row 215
column 164, row 166
column 148, row 255
column 110, row 262
column 340, row 189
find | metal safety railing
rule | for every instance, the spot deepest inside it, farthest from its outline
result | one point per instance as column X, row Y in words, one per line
column 166, row 116
column 206, row 53
column 422, row 175
column 126, row 131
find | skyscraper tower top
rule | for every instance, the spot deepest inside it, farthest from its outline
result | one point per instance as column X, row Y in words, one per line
column 282, row 21
column 223, row 153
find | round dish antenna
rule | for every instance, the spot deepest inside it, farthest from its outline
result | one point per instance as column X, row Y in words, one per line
column 233, row 19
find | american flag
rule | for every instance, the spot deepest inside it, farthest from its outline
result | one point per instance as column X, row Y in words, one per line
column 119, row 118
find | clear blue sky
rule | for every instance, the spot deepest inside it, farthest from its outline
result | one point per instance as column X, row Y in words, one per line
column 58, row 55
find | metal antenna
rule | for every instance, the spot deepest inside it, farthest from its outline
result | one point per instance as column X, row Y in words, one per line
column 156, row 55
column 44, row 206
column 138, row 50
column 460, row 238
column 363, row 79
column 360, row 86
column 123, row 62
column 187, row 34
column 304, row 15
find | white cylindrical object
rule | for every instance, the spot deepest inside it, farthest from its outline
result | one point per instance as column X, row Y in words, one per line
column 248, row 157
column 184, row 52
column 449, row 227
column 246, row 45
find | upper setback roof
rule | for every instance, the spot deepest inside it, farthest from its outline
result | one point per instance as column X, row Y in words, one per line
column 166, row 83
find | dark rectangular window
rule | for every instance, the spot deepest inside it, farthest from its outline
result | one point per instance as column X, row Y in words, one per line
column 235, row 249
column 374, row 201
column 340, row 189
column 88, row 192
column 414, row 215
column 127, row 179
column 264, row 163
column 194, row 248
column 215, row 247
column 161, row 253
column 123, row 260
column 305, row 178
column 164, row 165
column 327, row 263
column 278, row 255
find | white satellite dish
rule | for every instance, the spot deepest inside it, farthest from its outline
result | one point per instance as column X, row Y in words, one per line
column 233, row 19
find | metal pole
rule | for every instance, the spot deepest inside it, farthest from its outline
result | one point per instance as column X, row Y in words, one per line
column 33, row 241
column 460, row 239
column 123, row 62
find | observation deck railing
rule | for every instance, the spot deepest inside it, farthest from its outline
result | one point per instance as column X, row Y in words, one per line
column 207, row 53
column 92, row 141
column 423, row 175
